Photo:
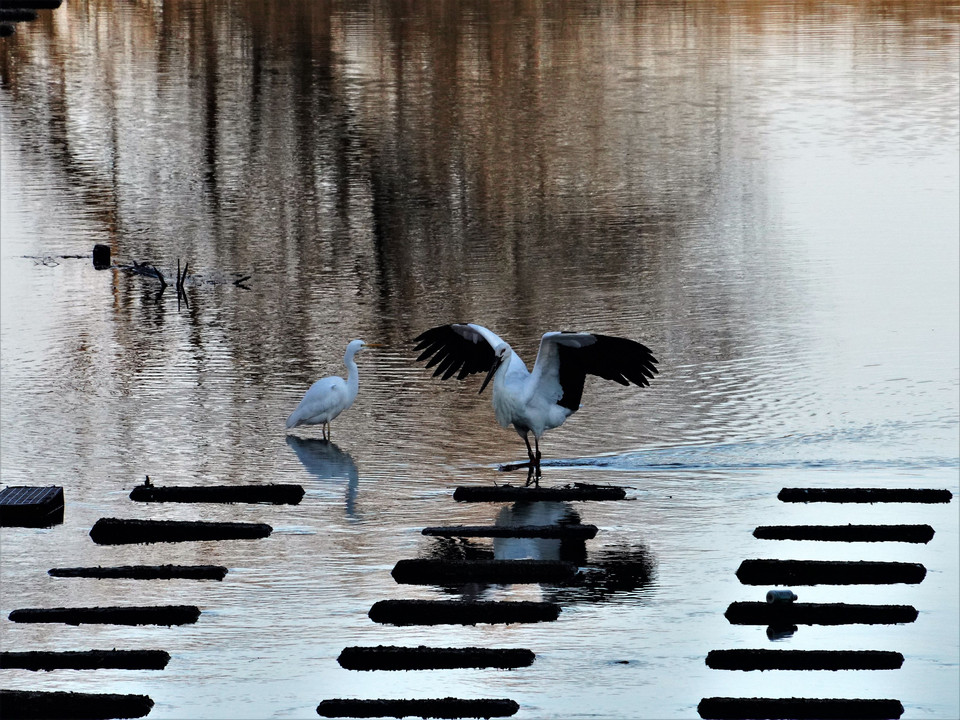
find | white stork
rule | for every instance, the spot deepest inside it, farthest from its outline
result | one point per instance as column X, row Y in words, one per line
column 534, row 402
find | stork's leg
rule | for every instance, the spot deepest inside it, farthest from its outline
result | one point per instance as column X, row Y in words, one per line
column 530, row 455
column 536, row 442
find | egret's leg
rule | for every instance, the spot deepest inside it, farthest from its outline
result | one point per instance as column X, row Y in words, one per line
column 325, row 431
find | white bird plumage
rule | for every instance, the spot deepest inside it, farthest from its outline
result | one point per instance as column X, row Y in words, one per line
column 330, row 396
column 534, row 402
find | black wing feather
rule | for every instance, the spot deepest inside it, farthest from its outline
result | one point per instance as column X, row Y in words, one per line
column 452, row 353
column 613, row 358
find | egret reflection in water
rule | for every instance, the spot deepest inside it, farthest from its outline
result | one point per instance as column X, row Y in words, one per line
column 325, row 461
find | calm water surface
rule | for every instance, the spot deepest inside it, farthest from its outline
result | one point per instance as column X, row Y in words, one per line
column 766, row 194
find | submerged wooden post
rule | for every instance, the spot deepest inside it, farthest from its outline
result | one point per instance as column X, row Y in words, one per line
column 101, row 256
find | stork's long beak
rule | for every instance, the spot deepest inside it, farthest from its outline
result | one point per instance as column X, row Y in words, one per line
column 490, row 373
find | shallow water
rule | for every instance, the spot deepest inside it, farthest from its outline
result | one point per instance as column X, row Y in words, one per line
column 765, row 195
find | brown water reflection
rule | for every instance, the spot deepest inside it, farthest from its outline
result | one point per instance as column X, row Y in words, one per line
column 764, row 193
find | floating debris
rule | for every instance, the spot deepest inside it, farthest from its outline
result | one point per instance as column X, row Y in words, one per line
column 828, row 572
column 847, row 533
column 37, row 704
column 277, row 494
column 804, row 660
column 798, row 708
column 25, row 506
column 441, row 708
column 500, row 572
column 145, row 572
column 785, row 614
column 519, row 493
column 461, row 612
column 149, row 615
column 85, row 660
column 116, row 531
column 391, row 657
column 864, row 495
column 559, row 531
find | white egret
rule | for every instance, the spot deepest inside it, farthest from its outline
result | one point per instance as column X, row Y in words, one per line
column 330, row 396
column 534, row 402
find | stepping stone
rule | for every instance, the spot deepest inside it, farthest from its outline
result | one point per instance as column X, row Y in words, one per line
column 144, row 572
column 828, row 572
column 798, row 708
column 500, row 572
column 785, row 614
column 277, row 494
column 461, row 612
column 442, row 708
column 804, row 660
column 149, row 615
column 846, row 533
column 116, row 531
column 573, row 532
column 85, row 660
column 864, row 495
column 511, row 493
column 387, row 657
column 32, row 4
column 37, row 704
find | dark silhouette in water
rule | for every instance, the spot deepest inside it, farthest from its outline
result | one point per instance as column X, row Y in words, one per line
column 325, row 461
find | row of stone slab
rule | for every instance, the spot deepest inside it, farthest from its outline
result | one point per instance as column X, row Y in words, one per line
column 789, row 614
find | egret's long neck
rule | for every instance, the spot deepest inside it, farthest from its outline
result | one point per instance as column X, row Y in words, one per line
column 353, row 374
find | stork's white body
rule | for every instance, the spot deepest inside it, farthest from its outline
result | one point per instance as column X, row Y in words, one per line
column 525, row 400
column 538, row 400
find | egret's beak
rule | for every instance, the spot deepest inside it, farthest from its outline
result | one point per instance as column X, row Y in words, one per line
column 374, row 345
column 490, row 373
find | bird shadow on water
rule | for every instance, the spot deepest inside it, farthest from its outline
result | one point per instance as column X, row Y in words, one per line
column 325, row 461
column 606, row 575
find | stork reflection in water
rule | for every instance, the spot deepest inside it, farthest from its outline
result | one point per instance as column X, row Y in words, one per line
column 534, row 402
